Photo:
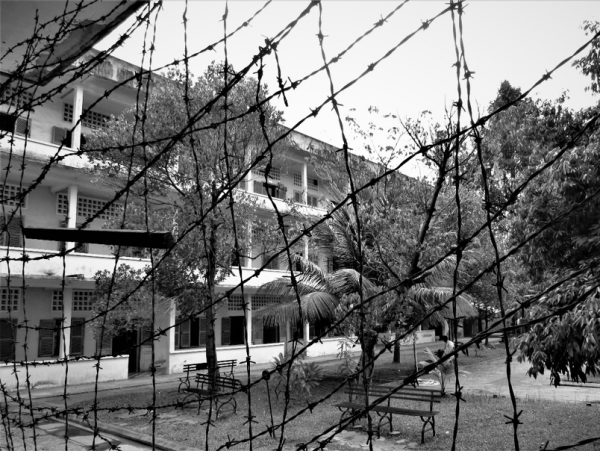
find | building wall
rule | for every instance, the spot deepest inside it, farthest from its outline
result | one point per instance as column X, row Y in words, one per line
column 80, row 372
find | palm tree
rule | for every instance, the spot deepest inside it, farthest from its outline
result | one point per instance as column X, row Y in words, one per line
column 356, row 268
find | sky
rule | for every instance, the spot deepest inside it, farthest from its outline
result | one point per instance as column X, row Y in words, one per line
column 516, row 41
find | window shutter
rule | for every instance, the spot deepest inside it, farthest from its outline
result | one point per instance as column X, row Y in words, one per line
column 184, row 339
column 77, row 334
column 257, row 331
column 311, row 331
column 202, row 331
column 7, row 340
column 47, row 334
column 258, row 187
column 225, row 331
column 297, row 197
column 61, row 136
column 23, row 127
column 11, row 235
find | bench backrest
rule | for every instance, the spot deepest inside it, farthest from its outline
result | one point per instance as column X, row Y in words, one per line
column 408, row 393
column 221, row 383
column 190, row 367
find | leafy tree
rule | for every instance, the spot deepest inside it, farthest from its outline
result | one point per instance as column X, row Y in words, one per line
column 200, row 158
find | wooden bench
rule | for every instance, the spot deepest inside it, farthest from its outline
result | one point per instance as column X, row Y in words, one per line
column 195, row 367
column 385, row 410
column 223, row 391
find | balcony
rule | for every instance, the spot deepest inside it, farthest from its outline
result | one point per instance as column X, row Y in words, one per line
column 45, row 265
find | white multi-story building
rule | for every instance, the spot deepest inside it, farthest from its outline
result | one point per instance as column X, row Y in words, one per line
column 50, row 293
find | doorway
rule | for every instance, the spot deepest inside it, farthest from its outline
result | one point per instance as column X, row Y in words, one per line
column 126, row 344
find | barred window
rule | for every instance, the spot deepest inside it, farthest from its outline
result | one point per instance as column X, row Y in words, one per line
column 68, row 113
column 313, row 201
column 262, row 300
column 91, row 119
column 10, row 299
column 10, row 193
column 235, row 302
column 62, row 204
column 313, row 184
column 9, row 96
column 87, row 207
column 297, row 180
column 57, row 301
column 82, row 300
column 274, row 173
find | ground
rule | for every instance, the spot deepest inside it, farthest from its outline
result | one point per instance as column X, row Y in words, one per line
column 561, row 415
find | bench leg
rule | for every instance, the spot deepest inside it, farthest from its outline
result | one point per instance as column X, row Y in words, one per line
column 431, row 421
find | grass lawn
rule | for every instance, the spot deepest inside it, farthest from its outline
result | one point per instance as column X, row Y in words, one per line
column 481, row 425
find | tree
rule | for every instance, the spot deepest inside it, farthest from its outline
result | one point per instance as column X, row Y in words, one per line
column 200, row 157
column 561, row 207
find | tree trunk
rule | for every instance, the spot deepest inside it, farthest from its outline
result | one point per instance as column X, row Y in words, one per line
column 211, row 275
column 397, row 348
column 367, row 344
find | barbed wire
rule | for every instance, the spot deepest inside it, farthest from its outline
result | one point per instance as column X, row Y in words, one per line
column 227, row 196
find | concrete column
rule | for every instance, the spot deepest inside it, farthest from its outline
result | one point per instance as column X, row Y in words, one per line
column 72, row 215
column 306, row 247
column 306, row 332
column 67, row 315
column 249, row 320
column 77, row 110
column 305, row 183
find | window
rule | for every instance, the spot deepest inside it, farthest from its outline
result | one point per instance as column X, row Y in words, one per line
column 8, row 334
column 298, row 198
column 87, row 207
column 235, row 302
column 12, row 124
column 313, row 184
column 262, row 300
column 77, row 336
column 313, row 201
column 276, row 191
column 191, row 333
column 49, row 337
column 232, row 331
column 57, row 301
column 12, row 96
column 91, row 119
column 274, row 173
column 62, row 136
column 10, row 299
column 12, row 195
column 82, row 300
column 11, row 234
column 265, row 334
column 313, row 257
column 297, row 180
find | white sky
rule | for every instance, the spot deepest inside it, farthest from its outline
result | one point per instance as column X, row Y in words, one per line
column 510, row 40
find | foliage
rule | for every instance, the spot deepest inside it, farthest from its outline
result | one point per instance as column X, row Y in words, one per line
column 590, row 63
column 199, row 156
column 303, row 376
column 127, row 306
column 347, row 367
